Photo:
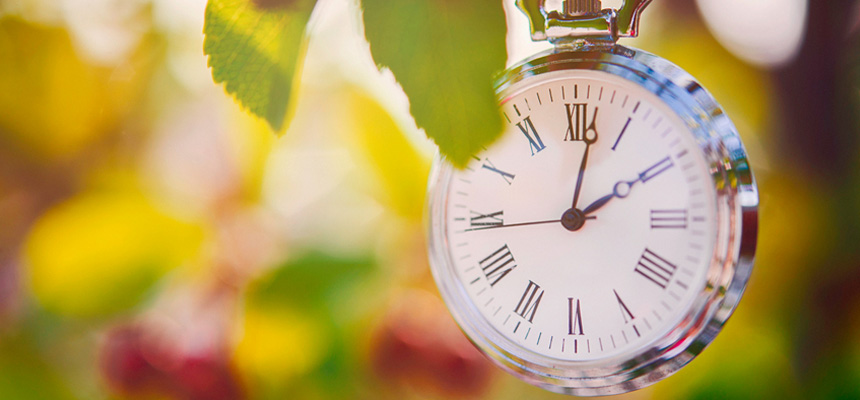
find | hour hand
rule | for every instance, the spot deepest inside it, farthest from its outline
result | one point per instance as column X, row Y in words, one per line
column 622, row 188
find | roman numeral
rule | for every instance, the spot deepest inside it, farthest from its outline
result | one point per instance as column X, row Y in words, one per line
column 574, row 321
column 578, row 123
column 530, row 301
column 497, row 265
column 508, row 177
column 668, row 219
column 535, row 144
column 656, row 169
column 655, row 268
column 491, row 219
column 625, row 312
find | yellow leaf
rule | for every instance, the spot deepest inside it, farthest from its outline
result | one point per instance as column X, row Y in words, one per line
column 100, row 253
column 400, row 168
column 280, row 344
column 54, row 104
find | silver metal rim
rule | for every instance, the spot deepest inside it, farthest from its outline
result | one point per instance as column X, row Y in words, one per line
column 730, row 267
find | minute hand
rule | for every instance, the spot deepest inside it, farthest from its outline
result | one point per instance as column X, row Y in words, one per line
column 588, row 136
column 622, row 188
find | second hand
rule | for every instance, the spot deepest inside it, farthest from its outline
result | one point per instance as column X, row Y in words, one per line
column 483, row 228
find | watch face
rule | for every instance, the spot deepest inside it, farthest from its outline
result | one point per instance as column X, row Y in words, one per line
column 604, row 240
column 587, row 231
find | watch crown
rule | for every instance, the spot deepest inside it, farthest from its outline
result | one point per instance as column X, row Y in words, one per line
column 581, row 7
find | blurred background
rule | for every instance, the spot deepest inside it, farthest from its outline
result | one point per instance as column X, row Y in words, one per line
column 157, row 242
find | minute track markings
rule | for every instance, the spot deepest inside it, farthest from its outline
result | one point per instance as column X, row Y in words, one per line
column 521, row 211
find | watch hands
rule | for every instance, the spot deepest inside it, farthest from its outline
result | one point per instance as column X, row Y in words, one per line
column 482, row 228
column 573, row 218
column 621, row 189
column 589, row 137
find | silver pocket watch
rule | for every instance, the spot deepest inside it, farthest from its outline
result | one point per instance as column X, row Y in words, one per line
column 603, row 241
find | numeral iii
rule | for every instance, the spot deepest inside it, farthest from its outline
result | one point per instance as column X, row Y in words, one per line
column 668, row 219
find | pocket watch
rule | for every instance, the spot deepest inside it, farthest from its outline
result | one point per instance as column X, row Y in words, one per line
column 603, row 241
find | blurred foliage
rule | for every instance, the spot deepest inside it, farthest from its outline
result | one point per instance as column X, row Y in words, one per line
column 300, row 326
column 390, row 155
column 54, row 103
column 159, row 244
column 257, row 52
column 24, row 374
column 111, row 246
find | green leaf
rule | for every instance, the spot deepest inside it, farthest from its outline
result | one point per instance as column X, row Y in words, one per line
column 444, row 53
column 255, row 49
column 315, row 281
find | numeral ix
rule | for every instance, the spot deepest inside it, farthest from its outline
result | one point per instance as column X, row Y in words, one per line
column 491, row 219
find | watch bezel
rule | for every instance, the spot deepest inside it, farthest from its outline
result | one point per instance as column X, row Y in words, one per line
column 730, row 267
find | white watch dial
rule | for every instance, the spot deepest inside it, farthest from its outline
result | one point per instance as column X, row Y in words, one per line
column 586, row 232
